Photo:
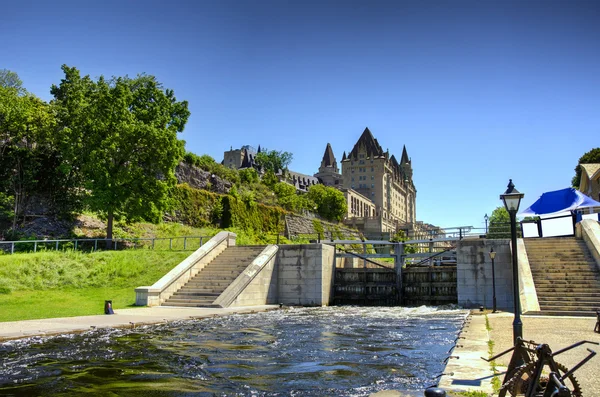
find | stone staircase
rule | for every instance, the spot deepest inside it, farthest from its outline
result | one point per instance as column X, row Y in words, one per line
column 210, row 282
column 566, row 277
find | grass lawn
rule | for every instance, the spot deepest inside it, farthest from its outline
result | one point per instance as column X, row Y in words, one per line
column 67, row 283
column 29, row 305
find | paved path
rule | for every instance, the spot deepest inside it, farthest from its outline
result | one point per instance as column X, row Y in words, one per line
column 122, row 318
column 472, row 373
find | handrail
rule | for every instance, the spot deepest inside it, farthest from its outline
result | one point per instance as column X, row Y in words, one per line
column 81, row 241
column 433, row 256
column 366, row 259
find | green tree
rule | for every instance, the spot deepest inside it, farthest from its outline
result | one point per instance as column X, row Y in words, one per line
column 329, row 201
column 29, row 160
column 499, row 224
column 273, row 160
column 248, row 176
column 270, row 179
column 9, row 79
column 593, row 156
column 122, row 133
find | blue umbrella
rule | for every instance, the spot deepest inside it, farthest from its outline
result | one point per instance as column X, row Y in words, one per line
column 568, row 199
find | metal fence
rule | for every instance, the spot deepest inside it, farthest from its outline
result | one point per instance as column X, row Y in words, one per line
column 95, row 244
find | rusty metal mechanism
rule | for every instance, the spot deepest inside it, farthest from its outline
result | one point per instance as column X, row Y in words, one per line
column 532, row 371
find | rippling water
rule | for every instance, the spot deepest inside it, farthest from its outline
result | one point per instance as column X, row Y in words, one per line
column 337, row 351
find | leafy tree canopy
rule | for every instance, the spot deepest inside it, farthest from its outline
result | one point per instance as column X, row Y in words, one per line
column 9, row 79
column 270, row 179
column 248, row 176
column 273, row 160
column 329, row 201
column 593, row 156
column 122, row 134
column 29, row 159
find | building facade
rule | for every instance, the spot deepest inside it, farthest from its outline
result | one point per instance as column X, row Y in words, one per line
column 240, row 158
column 590, row 182
column 379, row 189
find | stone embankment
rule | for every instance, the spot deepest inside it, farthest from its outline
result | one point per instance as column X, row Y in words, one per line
column 297, row 225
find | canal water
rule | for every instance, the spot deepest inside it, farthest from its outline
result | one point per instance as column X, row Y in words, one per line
column 330, row 351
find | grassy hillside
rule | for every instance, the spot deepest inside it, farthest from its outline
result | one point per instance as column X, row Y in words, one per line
column 63, row 284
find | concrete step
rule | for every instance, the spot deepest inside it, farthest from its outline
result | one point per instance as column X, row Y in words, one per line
column 199, row 283
column 199, row 304
column 589, row 302
column 190, row 295
column 218, row 272
column 555, row 261
column 573, row 293
column 581, row 308
column 204, row 290
column 182, row 301
column 566, row 283
column 562, row 313
column 567, row 276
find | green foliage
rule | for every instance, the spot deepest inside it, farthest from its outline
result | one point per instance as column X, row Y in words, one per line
column 270, row 179
column 399, row 237
column 251, row 216
column 273, row 160
column 196, row 207
column 330, row 202
column 30, row 162
column 288, row 198
column 318, row 226
column 248, row 176
column 593, row 156
column 499, row 224
column 9, row 79
column 122, row 134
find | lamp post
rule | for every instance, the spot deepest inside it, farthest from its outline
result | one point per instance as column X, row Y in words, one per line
column 492, row 257
column 486, row 218
column 512, row 198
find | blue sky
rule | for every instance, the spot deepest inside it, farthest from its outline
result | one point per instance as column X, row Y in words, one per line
column 479, row 92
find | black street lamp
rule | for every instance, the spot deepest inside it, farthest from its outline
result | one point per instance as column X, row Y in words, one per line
column 492, row 257
column 512, row 198
column 486, row 218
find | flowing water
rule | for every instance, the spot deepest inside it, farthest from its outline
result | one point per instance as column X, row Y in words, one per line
column 331, row 351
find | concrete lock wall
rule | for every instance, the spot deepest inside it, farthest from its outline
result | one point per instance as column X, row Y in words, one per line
column 474, row 273
column 305, row 274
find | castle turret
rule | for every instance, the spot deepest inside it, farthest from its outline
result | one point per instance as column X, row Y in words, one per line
column 328, row 171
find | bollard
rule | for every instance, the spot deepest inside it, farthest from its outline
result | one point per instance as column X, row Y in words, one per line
column 434, row 392
column 108, row 307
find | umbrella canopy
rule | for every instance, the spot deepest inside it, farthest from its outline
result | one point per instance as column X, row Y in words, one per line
column 557, row 201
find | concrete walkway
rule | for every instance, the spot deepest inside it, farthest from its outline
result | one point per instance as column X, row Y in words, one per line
column 123, row 318
column 466, row 371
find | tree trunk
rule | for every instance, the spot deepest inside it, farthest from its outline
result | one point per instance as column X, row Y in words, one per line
column 109, row 230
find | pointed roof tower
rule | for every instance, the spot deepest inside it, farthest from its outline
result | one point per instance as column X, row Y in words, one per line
column 369, row 143
column 247, row 161
column 328, row 157
column 329, row 161
column 404, row 159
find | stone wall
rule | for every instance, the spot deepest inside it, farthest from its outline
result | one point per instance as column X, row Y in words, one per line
column 305, row 274
column 474, row 273
column 298, row 225
column 200, row 179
